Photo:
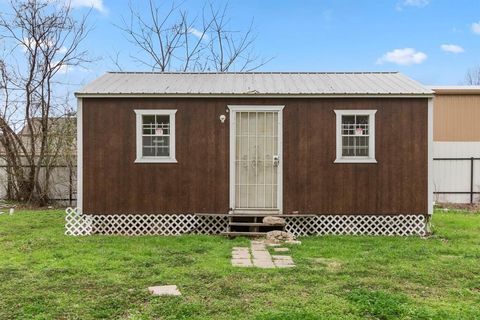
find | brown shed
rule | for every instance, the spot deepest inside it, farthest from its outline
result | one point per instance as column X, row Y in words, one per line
column 348, row 149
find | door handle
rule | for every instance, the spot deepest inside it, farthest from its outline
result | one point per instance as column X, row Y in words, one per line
column 276, row 161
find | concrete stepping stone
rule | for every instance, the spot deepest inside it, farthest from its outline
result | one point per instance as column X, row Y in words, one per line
column 240, row 249
column 169, row 290
column 283, row 261
column 281, row 257
column 241, row 257
column 263, row 263
column 259, row 256
column 236, row 262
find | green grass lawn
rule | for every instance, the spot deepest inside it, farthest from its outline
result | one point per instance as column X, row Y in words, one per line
column 46, row 275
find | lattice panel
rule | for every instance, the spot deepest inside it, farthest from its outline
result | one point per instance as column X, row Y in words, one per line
column 395, row 225
column 77, row 224
column 145, row 224
column 175, row 224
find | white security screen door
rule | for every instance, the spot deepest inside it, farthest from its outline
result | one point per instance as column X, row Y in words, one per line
column 257, row 157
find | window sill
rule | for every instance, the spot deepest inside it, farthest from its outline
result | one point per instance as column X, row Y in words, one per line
column 360, row 160
column 156, row 160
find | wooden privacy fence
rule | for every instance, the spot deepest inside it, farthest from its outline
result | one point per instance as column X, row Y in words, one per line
column 63, row 183
column 456, row 179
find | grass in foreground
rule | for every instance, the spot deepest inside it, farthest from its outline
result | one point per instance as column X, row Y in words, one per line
column 46, row 275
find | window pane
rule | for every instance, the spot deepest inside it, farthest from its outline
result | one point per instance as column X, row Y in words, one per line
column 355, row 135
column 162, row 145
column 148, row 141
column 348, row 147
column 348, row 119
column 362, row 119
column 361, row 146
column 162, row 125
column 148, row 124
column 156, row 135
column 348, row 125
column 148, row 152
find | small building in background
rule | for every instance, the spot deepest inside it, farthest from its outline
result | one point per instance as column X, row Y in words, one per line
column 456, row 150
column 59, row 164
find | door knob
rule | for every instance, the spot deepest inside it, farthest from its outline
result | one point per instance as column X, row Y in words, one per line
column 276, row 161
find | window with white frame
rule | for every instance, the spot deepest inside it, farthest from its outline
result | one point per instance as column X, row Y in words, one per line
column 355, row 136
column 155, row 135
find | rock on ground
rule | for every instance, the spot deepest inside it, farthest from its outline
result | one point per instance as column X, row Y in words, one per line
column 277, row 236
column 170, row 290
column 274, row 221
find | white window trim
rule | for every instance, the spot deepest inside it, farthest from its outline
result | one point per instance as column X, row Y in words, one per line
column 140, row 158
column 371, row 140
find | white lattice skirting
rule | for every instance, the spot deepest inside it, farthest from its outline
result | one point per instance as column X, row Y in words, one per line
column 395, row 225
column 77, row 224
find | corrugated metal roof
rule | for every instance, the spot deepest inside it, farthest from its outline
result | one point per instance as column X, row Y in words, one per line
column 254, row 84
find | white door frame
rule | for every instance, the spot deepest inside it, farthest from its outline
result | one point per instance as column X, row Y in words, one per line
column 233, row 116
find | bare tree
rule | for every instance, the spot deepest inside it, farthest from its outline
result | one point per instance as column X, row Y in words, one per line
column 169, row 40
column 472, row 76
column 42, row 41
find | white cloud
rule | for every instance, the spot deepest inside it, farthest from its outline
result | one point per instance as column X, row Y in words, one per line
column 453, row 48
column 30, row 43
column 62, row 68
column 412, row 3
column 416, row 3
column 95, row 4
column 62, row 50
column 404, row 57
column 476, row 27
column 197, row 33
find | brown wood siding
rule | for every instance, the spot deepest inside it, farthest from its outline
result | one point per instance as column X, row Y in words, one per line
column 199, row 182
column 456, row 117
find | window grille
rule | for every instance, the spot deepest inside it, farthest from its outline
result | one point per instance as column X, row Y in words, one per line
column 355, row 135
column 155, row 135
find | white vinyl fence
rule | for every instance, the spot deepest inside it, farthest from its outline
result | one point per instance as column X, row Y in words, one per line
column 456, row 172
column 63, row 184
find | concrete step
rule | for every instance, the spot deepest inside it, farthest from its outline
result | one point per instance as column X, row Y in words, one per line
column 263, row 212
column 257, row 214
column 250, row 224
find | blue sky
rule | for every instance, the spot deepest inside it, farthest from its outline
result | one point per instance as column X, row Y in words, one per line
column 342, row 35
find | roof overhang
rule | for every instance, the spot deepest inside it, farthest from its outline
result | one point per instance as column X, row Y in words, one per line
column 283, row 96
column 455, row 89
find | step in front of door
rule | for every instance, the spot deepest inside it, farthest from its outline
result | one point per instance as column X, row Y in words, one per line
column 256, row 212
column 250, row 224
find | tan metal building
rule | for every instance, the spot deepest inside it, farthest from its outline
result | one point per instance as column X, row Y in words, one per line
column 456, row 135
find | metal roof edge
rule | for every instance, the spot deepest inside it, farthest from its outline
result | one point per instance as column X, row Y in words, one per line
column 159, row 95
column 467, row 89
column 253, row 72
